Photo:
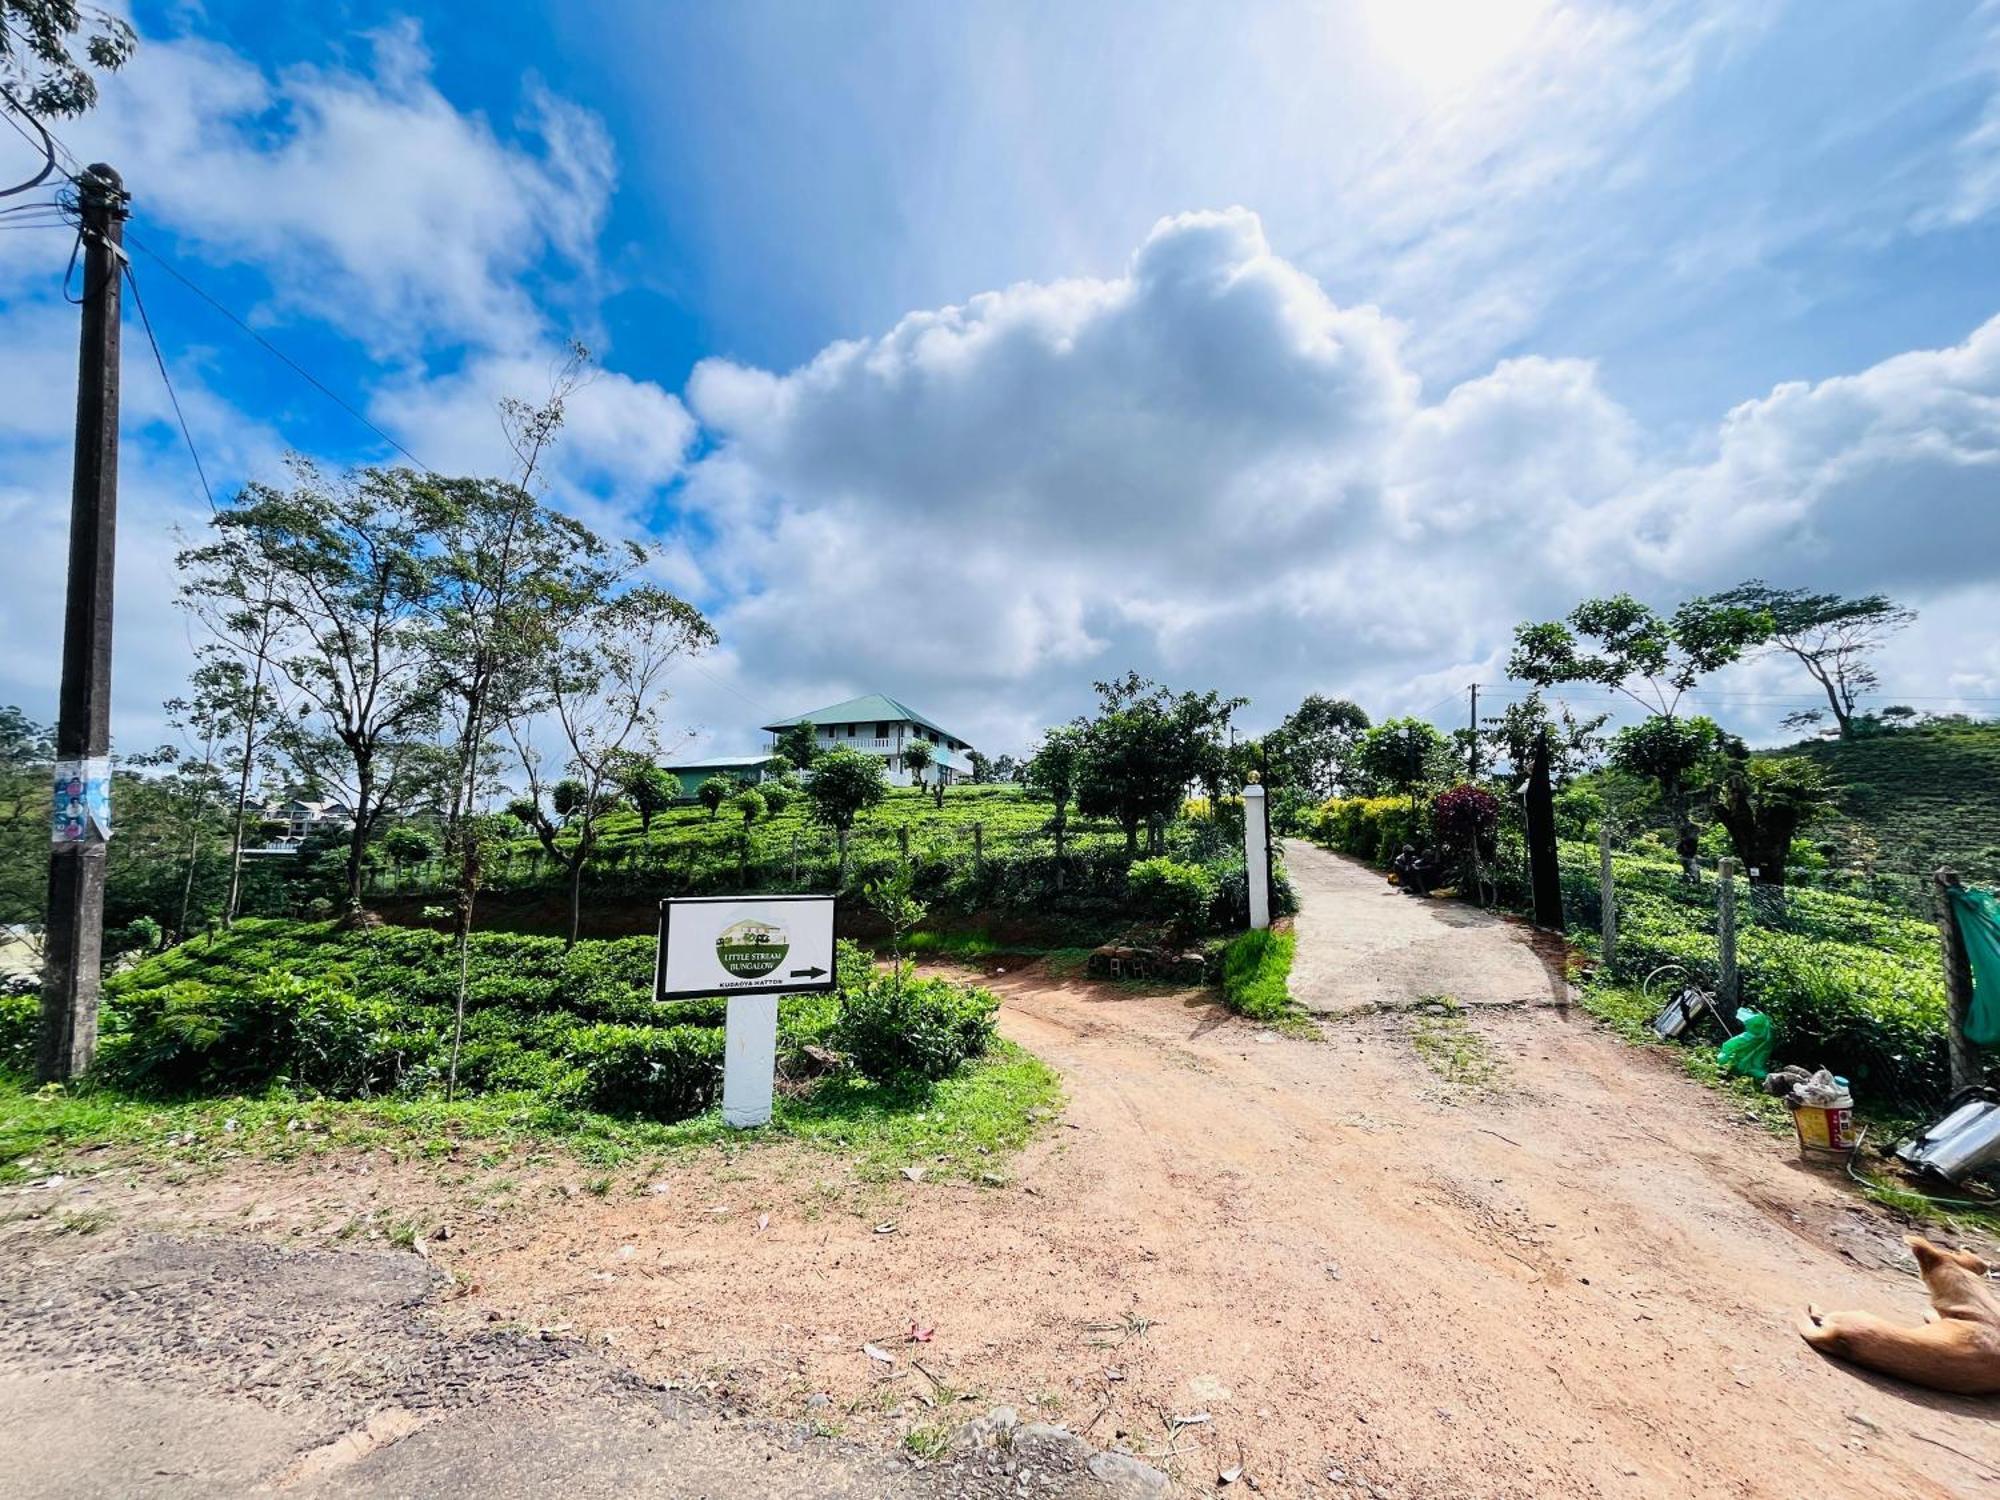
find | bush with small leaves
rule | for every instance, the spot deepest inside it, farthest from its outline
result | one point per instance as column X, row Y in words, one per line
column 1173, row 892
column 896, row 1027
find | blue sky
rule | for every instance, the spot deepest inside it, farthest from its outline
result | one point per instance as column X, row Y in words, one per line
column 969, row 353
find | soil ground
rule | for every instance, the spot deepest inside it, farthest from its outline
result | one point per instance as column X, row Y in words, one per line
column 1483, row 1251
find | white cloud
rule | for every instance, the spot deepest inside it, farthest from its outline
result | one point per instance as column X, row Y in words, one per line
column 366, row 197
column 1209, row 470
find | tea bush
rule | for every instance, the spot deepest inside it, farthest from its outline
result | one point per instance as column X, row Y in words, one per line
column 898, row 1027
column 1174, row 892
column 663, row 1072
column 355, row 1014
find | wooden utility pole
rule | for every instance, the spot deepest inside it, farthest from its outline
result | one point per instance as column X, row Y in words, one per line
column 1607, row 895
column 1726, row 984
column 1472, row 753
column 74, row 940
column 1963, row 1056
column 1544, row 873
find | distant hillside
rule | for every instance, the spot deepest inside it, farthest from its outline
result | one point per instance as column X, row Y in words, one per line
column 1925, row 796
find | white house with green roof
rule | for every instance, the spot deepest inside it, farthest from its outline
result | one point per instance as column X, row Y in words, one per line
column 876, row 724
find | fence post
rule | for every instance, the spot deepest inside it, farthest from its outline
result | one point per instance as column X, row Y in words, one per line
column 1256, row 856
column 1725, row 918
column 795, row 859
column 1607, row 895
column 743, row 860
column 903, row 841
column 1965, row 1068
column 979, row 850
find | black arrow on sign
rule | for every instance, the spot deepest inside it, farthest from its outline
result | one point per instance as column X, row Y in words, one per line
column 807, row 973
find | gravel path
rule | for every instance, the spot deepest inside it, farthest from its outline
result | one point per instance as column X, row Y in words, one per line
column 1363, row 944
column 165, row 1367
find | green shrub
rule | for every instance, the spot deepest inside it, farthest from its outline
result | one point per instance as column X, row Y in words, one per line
column 20, row 1029
column 1256, row 969
column 1370, row 828
column 314, row 1033
column 662, row 1072
column 1173, row 892
column 896, row 1026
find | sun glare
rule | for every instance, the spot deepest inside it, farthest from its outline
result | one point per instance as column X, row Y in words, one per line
column 1440, row 45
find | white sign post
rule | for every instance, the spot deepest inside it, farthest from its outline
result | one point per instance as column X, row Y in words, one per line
column 749, row 949
column 1256, row 856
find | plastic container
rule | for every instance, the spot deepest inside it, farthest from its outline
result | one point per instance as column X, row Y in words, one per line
column 1826, row 1131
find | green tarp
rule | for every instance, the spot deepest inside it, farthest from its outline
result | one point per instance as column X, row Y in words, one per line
column 1979, row 920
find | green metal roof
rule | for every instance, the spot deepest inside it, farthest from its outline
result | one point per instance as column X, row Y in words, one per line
column 721, row 763
column 869, row 707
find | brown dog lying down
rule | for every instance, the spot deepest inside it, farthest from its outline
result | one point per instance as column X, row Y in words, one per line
column 1956, row 1349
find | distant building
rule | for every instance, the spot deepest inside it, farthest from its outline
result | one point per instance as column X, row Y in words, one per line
column 748, row 769
column 295, row 815
column 878, row 725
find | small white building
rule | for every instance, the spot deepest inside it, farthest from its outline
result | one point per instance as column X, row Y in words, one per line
column 876, row 724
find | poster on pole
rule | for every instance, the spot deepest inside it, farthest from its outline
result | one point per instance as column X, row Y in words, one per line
column 82, row 801
column 744, row 945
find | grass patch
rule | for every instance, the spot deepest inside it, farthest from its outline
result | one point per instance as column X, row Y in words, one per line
column 928, row 1442
column 1256, row 970
column 962, row 1127
column 1450, row 1048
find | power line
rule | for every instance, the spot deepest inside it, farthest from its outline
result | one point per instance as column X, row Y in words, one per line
column 167, row 380
column 273, row 350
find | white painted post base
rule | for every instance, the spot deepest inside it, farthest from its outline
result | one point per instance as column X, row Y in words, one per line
column 1256, row 856
column 749, row 1060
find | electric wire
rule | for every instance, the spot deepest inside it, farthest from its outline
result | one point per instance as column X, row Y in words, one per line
column 272, row 349
column 167, row 380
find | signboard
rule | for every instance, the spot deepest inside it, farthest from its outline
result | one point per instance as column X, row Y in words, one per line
column 744, row 945
column 82, row 801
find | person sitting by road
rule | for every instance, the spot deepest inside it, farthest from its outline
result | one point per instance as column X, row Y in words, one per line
column 1413, row 871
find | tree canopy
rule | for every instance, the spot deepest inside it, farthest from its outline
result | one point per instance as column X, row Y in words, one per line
column 1832, row 636
column 49, row 47
column 1624, row 645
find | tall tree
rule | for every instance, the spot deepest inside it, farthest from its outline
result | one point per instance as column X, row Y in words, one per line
column 48, row 48
column 918, row 755
column 499, row 550
column 1574, row 743
column 231, row 585
column 1054, row 771
column 1652, row 659
column 1404, row 756
column 27, row 756
column 355, row 588
column 1679, row 757
column 1144, row 749
column 650, row 790
column 1624, row 645
column 1764, row 802
column 603, row 660
column 1831, row 636
column 797, row 745
column 845, row 783
column 1313, row 747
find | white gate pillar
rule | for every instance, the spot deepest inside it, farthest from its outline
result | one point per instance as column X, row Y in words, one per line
column 1257, row 855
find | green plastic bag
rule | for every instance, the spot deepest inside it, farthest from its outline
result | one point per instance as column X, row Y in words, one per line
column 1749, row 1051
column 1979, row 921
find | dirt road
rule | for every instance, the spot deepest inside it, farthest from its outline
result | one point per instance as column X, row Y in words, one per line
column 1491, row 1253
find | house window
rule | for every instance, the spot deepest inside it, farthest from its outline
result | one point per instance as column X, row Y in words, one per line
column 881, row 731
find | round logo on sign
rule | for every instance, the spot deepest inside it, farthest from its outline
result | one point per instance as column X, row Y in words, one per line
column 751, row 949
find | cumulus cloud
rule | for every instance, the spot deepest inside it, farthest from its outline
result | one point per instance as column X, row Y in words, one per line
column 1208, row 469
column 369, row 200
